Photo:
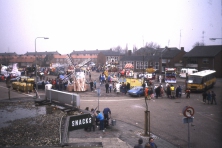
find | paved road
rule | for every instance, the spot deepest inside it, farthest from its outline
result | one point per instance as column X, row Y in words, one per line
column 166, row 115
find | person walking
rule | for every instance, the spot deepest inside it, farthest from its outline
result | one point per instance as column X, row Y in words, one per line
column 150, row 93
column 213, row 98
column 160, row 79
column 89, row 76
column 91, row 85
column 110, row 87
column 208, row 97
column 94, row 84
column 139, row 145
column 188, row 93
column 107, row 87
column 168, row 91
column 93, row 120
column 146, row 92
column 107, row 116
column 172, row 89
column 204, row 94
column 151, row 142
column 100, row 117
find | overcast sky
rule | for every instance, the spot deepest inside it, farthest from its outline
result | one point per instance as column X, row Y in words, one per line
column 99, row 24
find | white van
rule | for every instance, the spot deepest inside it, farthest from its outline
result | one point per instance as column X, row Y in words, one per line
column 189, row 71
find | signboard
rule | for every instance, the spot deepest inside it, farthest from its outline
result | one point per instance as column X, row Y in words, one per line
column 188, row 111
column 79, row 121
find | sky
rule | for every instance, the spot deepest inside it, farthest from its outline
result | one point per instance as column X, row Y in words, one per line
column 104, row 24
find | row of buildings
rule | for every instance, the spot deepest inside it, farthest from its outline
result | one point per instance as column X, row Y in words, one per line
column 200, row 57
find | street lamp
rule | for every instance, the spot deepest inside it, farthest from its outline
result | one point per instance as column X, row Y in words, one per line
column 36, row 63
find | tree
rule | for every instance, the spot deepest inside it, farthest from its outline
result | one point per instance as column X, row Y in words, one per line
column 198, row 44
column 118, row 48
column 152, row 45
column 134, row 48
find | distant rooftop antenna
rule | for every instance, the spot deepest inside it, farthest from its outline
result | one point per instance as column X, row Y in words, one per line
column 203, row 32
column 180, row 38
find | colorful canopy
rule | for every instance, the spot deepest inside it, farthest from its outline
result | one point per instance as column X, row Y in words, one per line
column 129, row 65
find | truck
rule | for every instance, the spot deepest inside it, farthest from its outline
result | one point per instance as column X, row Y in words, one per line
column 187, row 71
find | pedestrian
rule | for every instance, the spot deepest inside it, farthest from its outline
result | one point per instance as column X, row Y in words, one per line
column 151, row 142
column 86, row 128
column 139, row 145
column 172, row 89
column 158, row 90
column 213, row 98
column 91, row 85
column 118, row 85
column 177, row 92
column 93, row 120
column 94, row 84
column 168, row 91
column 180, row 92
column 110, row 87
column 100, row 117
column 204, row 94
column 128, row 86
column 208, row 97
column 150, row 93
column 160, row 79
column 188, row 93
column 107, row 87
column 89, row 76
column 146, row 93
column 43, row 84
column 107, row 116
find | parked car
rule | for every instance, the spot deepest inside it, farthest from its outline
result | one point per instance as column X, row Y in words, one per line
column 136, row 91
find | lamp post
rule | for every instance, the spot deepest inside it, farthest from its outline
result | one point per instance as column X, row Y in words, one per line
column 36, row 63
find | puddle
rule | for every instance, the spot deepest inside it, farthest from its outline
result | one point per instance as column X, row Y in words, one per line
column 12, row 113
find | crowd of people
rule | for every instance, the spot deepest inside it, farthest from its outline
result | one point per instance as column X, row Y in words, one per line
column 99, row 119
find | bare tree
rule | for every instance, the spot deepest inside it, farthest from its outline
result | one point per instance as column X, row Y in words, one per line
column 152, row 45
column 126, row 49
column 134, row 48
column 198, row 44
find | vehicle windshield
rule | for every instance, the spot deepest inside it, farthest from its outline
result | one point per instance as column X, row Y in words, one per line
column 194, row 79
column 136, row 88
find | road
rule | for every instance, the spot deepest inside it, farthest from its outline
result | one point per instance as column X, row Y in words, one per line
column 166, row 114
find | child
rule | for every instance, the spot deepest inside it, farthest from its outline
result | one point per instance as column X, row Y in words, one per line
column 188, row 93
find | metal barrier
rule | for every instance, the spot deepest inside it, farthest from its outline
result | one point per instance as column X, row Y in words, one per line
column 63, row 98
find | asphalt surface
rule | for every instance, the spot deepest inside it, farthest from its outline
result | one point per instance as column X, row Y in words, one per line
column 165, row 117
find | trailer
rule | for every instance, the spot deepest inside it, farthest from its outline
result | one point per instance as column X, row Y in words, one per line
column 170, row 75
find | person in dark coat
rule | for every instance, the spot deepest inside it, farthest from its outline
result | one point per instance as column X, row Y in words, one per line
column 158, row 91
column 107, row 87
column 91, row 85
column 204, row 94
column 106, row 113
column 178, row 92
column 213, row 98
column 168, row 91
column 139, row 145
column 208, row 97
column 128, row 86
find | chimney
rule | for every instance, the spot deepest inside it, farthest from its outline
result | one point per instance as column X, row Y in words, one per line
column 129, row 52
column 182, row 48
